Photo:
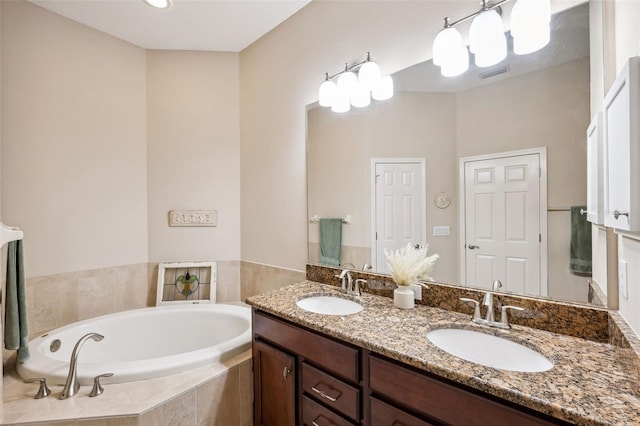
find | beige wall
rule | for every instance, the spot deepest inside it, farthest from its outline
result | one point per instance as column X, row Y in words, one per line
column 73, row 142
column 193, row 153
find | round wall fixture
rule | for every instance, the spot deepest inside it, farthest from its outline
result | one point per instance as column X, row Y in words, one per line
column 442, row 200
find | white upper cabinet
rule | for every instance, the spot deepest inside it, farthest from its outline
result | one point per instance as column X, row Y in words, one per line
column 595, row 170
column 622, row 150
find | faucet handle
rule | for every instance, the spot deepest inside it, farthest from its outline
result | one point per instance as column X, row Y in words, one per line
column 43, row 390
column 476, row 309
column 504, row 318
column 357, row 290
column 97, row 387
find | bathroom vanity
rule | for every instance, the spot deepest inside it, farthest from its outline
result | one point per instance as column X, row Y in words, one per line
column 377, row 367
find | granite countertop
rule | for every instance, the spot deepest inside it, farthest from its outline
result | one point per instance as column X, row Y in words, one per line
column 590, row 383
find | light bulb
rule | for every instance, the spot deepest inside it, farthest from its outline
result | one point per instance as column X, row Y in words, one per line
column 347, row 83
column 327, row 93
column 447, row 40
column 532, row 40
column 384, row 89
column 369, row 74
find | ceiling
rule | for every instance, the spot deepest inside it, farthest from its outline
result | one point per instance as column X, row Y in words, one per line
column 212, row 25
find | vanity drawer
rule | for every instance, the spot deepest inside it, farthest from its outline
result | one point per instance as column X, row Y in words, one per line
column 332, row 392
column 384, row 414
column 439, row 400
column 314, row 414
column 331, row 355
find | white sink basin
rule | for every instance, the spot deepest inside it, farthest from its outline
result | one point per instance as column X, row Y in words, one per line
column 488, row 350
column 329, row 305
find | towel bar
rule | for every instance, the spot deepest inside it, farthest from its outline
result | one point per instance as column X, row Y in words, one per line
column 8, row 234
column 316, row 219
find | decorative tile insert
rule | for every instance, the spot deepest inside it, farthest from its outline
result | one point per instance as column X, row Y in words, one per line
column 186, row 282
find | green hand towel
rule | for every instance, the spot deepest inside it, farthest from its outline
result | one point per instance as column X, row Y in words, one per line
column 580, row 255
column 16, row 327
column 330, row 241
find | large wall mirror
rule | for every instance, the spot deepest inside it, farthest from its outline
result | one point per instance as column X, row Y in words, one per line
column 526, row 116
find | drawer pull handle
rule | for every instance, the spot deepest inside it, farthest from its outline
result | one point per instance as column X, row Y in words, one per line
column 397, row 423
column 285, row 372
column 325, row 395
column 315, row 421
column 617, row 214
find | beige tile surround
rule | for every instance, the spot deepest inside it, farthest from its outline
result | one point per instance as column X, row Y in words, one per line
column 218, row 394
column 258, row 278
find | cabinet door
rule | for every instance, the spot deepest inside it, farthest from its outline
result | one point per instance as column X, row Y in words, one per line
column 622, row 153
column 274, row 386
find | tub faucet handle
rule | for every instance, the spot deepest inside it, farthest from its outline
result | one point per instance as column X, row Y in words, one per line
column 97, row 387
column 43, row 390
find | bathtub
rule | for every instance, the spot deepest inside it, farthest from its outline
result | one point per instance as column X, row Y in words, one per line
column 142, row 343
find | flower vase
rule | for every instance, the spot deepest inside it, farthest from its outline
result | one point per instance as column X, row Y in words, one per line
column 403, row 297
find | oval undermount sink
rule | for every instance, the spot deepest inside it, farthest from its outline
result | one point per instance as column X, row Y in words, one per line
column 489, row 350
column 329, row 305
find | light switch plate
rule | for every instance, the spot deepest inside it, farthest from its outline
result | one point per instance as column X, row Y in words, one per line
column 440, row 231
column 623, row 279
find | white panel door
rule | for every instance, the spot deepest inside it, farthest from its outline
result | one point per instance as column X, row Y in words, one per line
column 398, row 207
column 502, row 223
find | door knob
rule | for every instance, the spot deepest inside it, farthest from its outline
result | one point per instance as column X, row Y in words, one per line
column 473, row 247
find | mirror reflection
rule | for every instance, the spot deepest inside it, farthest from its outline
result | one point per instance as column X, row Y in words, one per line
column 484, row 168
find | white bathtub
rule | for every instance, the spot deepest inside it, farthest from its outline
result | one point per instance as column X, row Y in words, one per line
column 143, row 343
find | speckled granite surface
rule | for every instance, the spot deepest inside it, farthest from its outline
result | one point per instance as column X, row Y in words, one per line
column 592, row 383
column 587, row 322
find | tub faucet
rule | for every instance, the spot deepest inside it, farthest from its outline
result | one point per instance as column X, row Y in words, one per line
column 72, row 386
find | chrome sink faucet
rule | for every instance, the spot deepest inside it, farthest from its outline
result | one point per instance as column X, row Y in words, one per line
column 72, row 385
column 490, row 319
column 348, row 285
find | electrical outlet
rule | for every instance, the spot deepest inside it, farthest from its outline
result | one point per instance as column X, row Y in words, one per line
column 417, row 291
column 622, row 279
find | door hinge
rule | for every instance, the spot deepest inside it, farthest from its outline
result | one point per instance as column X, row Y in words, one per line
column 539, row 172
column 539, row 238
column 376, row 236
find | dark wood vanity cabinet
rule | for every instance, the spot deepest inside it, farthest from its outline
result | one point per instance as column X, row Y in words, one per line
column 305, row 378
column 327, row 386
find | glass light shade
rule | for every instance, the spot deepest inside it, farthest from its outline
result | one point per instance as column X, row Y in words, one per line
column 493, row 50
column 457, row 63
column 383, row 90
column 486, row 34
column 341, row 103
column 361, row 97
column 347, row 83
column 160, row 4
column 327, row 93
column 530, row 25
column 532, row 40
column 529, row 13
column 368, row 75
column 447, row 40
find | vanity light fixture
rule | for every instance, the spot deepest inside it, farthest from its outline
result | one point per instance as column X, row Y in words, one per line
column 350, row 89
column 530, row 29
column 159, row 4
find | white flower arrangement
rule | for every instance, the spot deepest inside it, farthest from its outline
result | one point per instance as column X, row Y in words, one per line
column 410, row 264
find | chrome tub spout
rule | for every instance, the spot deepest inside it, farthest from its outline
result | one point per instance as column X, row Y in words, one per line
column 72, row 386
